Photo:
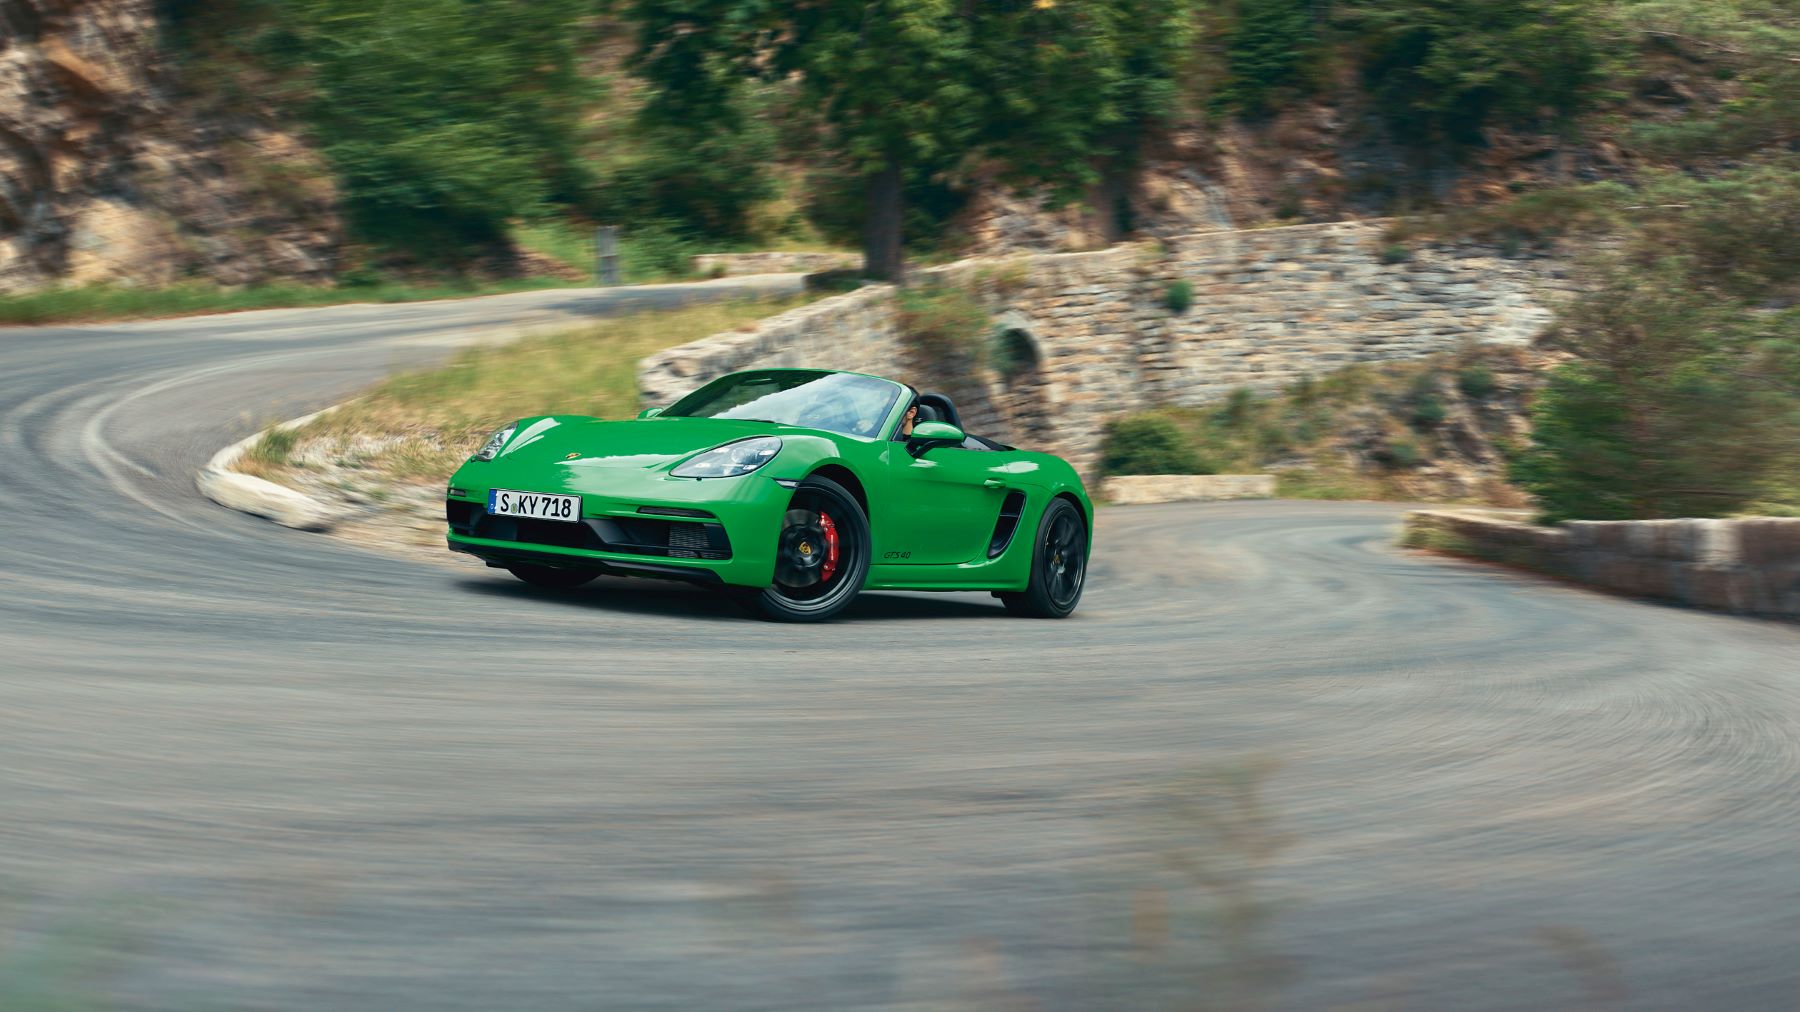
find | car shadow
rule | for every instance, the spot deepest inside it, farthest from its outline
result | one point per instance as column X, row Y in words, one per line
column 628, row 596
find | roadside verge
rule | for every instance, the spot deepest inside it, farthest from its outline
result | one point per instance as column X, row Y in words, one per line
column 246, row 493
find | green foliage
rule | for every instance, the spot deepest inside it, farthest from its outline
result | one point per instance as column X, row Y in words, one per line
column 903, row 85
column 703, row 178
column 1740, row 230
column 1427, row 410
column 948, row 330
column 1071, row 88
column 1149, row 444
column 1395, row 253
column 1401, row 453
column 1476, row 381
column 1272, row 47
column 441, row 119
column 1442, row 69
column 1752, row 42
column 1680, row 403
column 1178, row 296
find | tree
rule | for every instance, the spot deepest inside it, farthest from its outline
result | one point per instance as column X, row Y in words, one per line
column 1443, row 69
column 1075, row 88
column 890, row 78
column 1270, row 47
column 442, row 118
column 1043, row 86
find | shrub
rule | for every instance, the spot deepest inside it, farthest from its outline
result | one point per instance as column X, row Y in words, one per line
column 1395, row 253
column 656, row 250
column 1678, row 404
column 1428, row 412
column 1426, row 406
column 1149, row 444
column 1475, row 380
column 947, row 329
column 1178, row 296
column 1400, row 453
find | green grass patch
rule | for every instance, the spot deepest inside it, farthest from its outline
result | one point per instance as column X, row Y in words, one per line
column 424, row 423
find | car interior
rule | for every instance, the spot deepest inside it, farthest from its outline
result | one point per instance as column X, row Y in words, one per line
column 934, row 407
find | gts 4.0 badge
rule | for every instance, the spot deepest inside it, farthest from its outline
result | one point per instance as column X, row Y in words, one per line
column 896, row 555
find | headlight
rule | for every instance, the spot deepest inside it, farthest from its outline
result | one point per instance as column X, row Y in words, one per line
column 491, row 448
column 730, row 460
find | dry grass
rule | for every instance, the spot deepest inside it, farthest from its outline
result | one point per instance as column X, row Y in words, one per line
column 419, row 426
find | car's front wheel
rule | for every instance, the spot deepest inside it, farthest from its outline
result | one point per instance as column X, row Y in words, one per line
column 553, row 578
column 821, row 555
column 1058, row 564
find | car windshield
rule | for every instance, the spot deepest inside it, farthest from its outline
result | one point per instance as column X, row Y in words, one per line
column 836, row 401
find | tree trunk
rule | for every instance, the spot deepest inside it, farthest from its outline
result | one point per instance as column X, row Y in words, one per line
column 882, row 258
column 1110, row 200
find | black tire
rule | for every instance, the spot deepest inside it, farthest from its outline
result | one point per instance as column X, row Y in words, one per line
column 822, row 556
column 1058, row 565
column 553, row 578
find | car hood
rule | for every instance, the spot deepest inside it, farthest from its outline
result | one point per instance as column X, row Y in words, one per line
column 636, row 443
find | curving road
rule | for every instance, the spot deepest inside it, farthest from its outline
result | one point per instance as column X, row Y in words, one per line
column 1272, row 762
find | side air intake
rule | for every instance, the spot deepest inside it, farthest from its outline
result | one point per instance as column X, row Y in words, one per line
column 1007, row 525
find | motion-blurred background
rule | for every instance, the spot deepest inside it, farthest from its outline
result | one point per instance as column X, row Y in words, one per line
column 171, row 156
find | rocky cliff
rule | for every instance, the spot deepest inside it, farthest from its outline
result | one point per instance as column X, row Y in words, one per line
column 108, row 175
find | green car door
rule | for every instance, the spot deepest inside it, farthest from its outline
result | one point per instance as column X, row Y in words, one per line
column 943, row 505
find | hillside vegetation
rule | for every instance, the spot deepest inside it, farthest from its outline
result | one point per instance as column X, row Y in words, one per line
column 1656, row 140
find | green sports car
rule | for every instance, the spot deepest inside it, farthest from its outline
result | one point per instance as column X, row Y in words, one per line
column 792, row 489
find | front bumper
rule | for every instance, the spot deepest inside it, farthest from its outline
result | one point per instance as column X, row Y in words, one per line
column 715, row 530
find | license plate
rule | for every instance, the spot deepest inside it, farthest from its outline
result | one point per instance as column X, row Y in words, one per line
column 505, row 502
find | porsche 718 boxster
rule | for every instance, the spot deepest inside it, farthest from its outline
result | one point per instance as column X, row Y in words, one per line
column 791, row 489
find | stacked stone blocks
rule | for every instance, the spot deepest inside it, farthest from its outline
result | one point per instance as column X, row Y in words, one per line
column 1746, row 565
column 1269, row 306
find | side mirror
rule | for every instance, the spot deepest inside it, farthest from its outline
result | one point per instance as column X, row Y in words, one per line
column 649, row 412
column 926, row 435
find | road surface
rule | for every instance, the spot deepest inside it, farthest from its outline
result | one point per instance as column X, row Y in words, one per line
column 1273, row 761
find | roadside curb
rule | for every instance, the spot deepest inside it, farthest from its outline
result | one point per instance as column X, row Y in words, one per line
column 261, row 497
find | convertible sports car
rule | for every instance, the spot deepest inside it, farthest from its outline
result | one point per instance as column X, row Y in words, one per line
column 792, row 489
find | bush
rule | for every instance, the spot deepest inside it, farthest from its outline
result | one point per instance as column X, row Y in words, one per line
column 1400, row 453
column 1678, row 405
column 656, row 250
column 1476, row 381
column 1427, row 407
column 1178, row 296
column 1395, row 253
column 1149, row 444
column 947, row 329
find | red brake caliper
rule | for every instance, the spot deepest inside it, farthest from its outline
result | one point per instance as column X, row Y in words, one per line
column 831, row 547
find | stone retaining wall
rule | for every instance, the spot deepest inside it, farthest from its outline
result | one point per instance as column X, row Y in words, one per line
column 731, row 265
column 1749, row 566
column 1269, row 306
column 1142, row 489
column 856, row 331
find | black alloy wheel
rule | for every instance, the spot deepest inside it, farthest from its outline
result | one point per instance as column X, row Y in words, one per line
column 821, row 555
column 1058, row 565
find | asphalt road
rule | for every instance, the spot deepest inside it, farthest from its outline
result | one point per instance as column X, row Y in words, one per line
column 1272, row 762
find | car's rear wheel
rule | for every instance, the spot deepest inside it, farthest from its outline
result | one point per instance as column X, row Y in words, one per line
column 1058, row 565
column 553, row 578
column 821, row 555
